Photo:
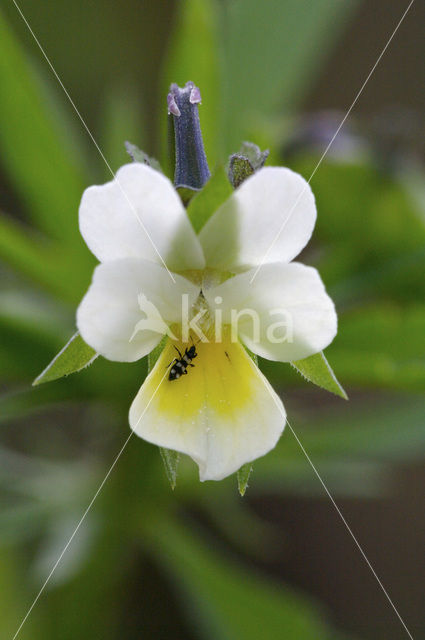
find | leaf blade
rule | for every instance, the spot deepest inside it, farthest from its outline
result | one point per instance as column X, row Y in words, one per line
column 33, row 134
column 244, row 474
column 317, row 370
column 171, row 461
column 74, row 356
column 42, row 261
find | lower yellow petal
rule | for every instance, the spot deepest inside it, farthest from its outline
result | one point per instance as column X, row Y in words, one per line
column 223, row 412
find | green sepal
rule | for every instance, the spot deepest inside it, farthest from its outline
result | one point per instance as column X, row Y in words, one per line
column 240, row 169
column 171, row 460
column 243, row 164
column 140, row 156
column 253, row 153
column 74, row 356
column 206, row 202
column 317, row 370
column 243, row 477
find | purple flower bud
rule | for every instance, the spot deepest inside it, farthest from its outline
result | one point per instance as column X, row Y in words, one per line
column 191, row 169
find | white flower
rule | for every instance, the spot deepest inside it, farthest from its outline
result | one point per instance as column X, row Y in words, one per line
column 223, row 413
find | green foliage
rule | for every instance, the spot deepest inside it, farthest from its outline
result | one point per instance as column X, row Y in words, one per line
column 244, row 474
column 122, row 119
column 353, row 451
column 75, row 355
column 382, row 345
column 38, row 153
column 226, row 597
column 271, row 51
column 14, row 599
column 391, row 430
column 171, row 460
column 42, row 261
column 317, row 369
column 374, row 228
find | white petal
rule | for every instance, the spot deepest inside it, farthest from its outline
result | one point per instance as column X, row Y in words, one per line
column 288, row 304
column 139, row 215
column 269, row 218
column 110, row 314
column 222, row 414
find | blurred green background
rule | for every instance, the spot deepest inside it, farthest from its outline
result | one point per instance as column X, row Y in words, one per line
column 201, row 562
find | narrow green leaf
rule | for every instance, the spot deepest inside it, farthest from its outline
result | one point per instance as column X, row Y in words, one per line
column 243, row 477
column 38, row 144
column 213, row 194
column 317, row 370
column 171, row 460
column 75, row 355
column 44, row 262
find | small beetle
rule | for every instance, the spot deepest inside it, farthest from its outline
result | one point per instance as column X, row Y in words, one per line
column 179, row 365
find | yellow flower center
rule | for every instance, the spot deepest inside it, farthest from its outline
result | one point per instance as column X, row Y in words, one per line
column 222, row 379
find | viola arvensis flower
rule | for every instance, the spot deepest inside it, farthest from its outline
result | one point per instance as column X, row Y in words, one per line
column 222, row 412
column 231, row 285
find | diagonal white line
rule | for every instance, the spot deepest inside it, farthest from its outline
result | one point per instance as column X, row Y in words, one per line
column 83, row 517
column 93, row 139
column 338, row 510
column 291, row 211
